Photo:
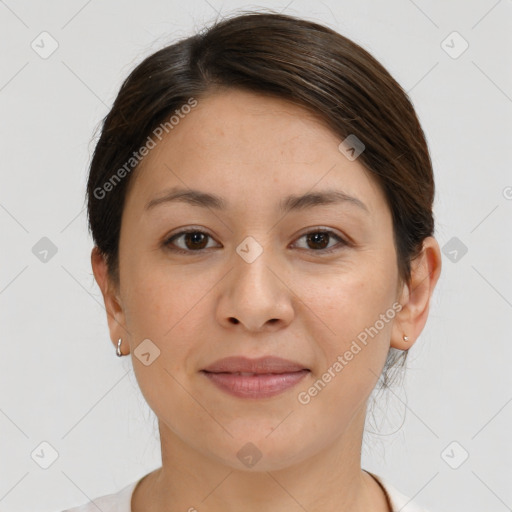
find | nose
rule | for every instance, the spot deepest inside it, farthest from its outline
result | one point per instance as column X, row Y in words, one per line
column 256, row 296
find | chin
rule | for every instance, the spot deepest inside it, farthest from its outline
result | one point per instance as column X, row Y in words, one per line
column 258, row 451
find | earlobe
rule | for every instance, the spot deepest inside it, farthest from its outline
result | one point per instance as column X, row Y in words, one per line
column 113, row 308
column 415, row 300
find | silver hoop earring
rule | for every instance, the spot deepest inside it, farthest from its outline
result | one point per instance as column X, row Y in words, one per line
column 118, row 351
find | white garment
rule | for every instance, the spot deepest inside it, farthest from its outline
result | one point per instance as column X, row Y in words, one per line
column 121, row 500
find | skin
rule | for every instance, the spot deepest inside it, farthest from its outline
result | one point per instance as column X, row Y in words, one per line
column 291, row 302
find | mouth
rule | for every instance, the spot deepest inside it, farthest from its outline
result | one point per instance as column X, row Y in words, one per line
column 255, row 385
column 266, row 364
column 255, row 378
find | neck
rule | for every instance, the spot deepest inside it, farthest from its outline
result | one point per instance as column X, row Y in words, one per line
column 331, row 481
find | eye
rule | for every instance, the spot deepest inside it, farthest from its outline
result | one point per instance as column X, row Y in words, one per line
column 194, row 240
column 197, row 240
column 320, row 238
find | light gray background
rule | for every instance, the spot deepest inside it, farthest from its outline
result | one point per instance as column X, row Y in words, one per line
column 60, row 380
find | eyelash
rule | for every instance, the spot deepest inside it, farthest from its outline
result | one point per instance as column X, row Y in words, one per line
column 342, row 242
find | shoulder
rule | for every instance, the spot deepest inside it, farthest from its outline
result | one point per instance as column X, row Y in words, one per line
column 399, row 502
column 116, row 502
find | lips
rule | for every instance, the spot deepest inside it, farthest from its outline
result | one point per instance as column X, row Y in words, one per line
column 262, row 365
column 255, row 378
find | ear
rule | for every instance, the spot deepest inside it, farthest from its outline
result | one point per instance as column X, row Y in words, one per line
column 115, row 313
column 415, row 298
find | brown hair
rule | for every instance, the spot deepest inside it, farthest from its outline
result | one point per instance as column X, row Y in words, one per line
column 294, row 59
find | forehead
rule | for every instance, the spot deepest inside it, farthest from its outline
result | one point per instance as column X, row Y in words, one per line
column 252, row 147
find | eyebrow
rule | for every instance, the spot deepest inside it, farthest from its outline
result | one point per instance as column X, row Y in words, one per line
column 289, row 203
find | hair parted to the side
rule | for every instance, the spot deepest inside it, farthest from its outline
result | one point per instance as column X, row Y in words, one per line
column 294, row 59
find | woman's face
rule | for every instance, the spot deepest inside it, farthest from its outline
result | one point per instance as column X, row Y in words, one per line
column 255, row 284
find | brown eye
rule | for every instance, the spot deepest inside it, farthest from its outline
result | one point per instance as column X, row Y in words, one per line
column 196, row 241
column 318, row 241
column 193, row 241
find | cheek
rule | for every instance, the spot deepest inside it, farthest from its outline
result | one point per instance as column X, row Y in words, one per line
column 160, row 296
column 345, row 302
column 168, row 313
column 352, row 320
column 168, row 307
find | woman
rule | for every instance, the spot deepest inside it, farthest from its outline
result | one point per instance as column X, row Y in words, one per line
column 260, row 200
